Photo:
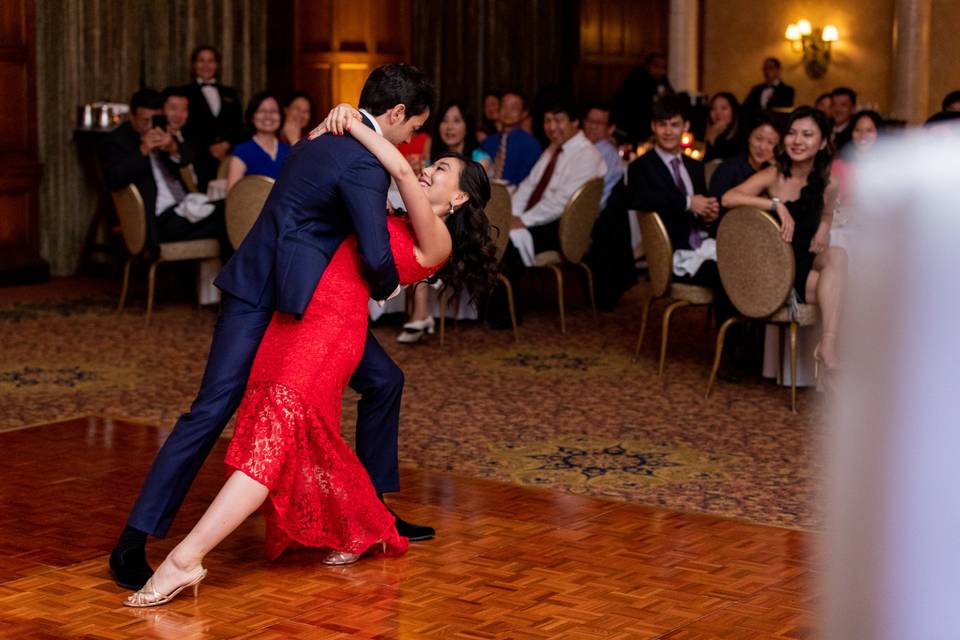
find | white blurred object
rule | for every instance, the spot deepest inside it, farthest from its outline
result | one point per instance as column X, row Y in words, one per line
column 464, row 311
column 217, row 189
column 207, row 293
column 893, row 559
column 195, row 207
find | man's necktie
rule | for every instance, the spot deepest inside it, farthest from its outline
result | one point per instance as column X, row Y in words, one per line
column 695, row 240
column 176, row 189
column 501, row 160
column 544, row 180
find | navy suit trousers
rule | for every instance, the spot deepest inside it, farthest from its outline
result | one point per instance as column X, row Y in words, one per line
column 236, row 339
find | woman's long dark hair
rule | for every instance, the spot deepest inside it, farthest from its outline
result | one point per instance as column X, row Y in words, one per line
column 819, row 176
column 439, row 147
column 472, row 266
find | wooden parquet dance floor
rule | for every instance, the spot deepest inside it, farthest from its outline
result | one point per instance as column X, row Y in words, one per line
column 508, row 561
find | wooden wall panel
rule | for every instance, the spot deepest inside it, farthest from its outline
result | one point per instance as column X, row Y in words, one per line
column 336, row 43
column 615, row 36
column 19, row 167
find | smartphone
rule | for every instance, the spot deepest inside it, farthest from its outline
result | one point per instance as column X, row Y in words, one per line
column 160, row 121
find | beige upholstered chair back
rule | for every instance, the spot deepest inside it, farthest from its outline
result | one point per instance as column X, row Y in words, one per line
column 576, row 222
column 709, row 168
column 756, row 266
column 658, row 251
column 133, row 218
column 244, row 203
column 499, row 213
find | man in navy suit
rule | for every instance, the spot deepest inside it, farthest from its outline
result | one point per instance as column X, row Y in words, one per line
column 329, row 188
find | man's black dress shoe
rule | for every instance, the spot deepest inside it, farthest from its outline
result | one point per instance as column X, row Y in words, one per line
column 129, row 567
column 416, row 532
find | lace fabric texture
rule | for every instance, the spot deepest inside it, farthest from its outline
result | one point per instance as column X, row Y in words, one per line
column 287, row 435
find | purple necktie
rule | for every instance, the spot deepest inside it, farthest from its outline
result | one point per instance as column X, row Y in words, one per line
column 695, row 240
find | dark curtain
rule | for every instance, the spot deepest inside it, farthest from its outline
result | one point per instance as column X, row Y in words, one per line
column 470, row 46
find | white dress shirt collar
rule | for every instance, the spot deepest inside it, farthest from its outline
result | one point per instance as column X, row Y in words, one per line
column 373, row 121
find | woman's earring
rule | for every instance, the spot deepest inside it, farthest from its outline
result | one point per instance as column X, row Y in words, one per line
column 451, row 209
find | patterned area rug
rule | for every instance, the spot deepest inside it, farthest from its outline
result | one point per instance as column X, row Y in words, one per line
column 570, row 412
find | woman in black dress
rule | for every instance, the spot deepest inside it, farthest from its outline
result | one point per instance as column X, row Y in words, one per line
column 799, row 191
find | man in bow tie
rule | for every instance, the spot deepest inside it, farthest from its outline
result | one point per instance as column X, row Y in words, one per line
column 216, row 114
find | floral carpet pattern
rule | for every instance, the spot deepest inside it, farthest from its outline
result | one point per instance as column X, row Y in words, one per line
column 570, row 413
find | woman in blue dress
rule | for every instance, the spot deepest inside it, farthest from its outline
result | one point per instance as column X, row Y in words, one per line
column 263, row 154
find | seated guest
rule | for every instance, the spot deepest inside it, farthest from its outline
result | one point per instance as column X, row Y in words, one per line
column 455, row 131
column 800, row 192
column 945, row 121
column 824, row 103
column 951, row 102
column 263, row 154
column 866, row 127
column 843, row 106
column 491, row 115
column 723, row 135
column 762, row 141
column 216, row 114
column 148, row 157
column 772, row 93
column 671, row 184
column 176, row 111
column 566, row 165
column 297, row 108
column 599, row 130
column 514, row 150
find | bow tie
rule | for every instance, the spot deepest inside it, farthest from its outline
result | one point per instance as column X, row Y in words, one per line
column 208, row 83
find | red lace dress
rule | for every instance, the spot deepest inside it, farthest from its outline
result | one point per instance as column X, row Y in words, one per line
column 288, row 426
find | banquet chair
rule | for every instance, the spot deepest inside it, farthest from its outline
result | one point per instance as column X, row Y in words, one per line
column 499, row 213
column 244, row 203
column 710, row 167
column 576, row 229
column 186, row 174
column 224, row 167
column 757, row 270
column 659, row 252
column 133, row 228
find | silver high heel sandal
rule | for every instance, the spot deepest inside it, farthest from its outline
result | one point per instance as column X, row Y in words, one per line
column 150, row 597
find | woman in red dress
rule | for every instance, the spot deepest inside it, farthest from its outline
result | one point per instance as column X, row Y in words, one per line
column 287, row 453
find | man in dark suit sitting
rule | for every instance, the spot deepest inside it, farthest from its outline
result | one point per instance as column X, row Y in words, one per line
column 142, row 152
column 216, row 114
column 673, row 185
column 329, row 187
column 772, row 93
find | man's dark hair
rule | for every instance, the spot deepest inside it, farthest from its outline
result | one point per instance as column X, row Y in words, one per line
column 173, row 92
column 845, row 91
column 394, row 84
column 822, row 96
column 949, row 99
column 563, row 104
column 200, row 49
column 943, row 116
column 669, row 106
column 650, row 57
column 516, row 92
column 773, row 60
column 599, row 105
column 146, row 98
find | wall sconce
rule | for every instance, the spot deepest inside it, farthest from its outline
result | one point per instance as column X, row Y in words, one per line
column 814, row 43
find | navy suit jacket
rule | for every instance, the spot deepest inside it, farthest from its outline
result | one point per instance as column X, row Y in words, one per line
column 651, row 187
column 329, row 188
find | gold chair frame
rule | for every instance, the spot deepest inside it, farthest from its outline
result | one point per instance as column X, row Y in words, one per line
column 133, row 225
column 758, row 282
column 244, row 204
column 659, row 254
column 576, row 228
